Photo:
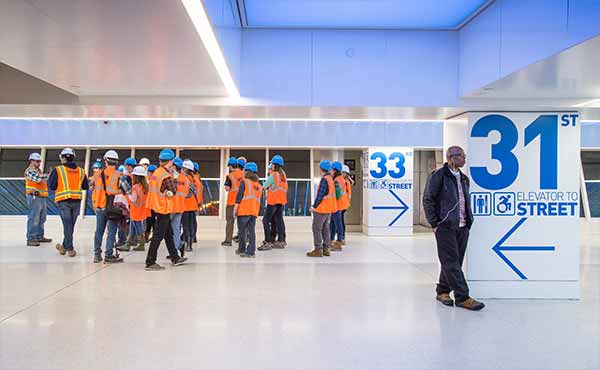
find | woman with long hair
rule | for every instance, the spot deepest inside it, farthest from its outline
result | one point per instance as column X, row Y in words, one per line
column 138, row 212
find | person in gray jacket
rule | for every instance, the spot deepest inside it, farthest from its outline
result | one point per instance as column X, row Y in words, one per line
column 447, row 207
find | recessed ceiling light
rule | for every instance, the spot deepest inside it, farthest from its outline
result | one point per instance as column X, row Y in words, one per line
column 199, row 18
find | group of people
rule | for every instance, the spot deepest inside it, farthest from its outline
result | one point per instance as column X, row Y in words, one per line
column 135, row 199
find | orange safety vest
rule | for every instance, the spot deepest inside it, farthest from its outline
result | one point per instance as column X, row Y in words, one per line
column 157, row 201
column 183, row 188
column 191, row 203
column 111, row 175
column 277, row 194
column 250, row 204
column 199, row 188
column 343, row 203
column 236, row 178
column 349, row 191
column 328, row 204
column 69, row 183
column 137, row 209
column 41, row 187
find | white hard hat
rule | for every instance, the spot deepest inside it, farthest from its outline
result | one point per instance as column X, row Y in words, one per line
column 188, row 164
column 346, row 169
column 111, row 154
column 139, row 171
column 67, row 151
column 145, row 161
column 35, row 157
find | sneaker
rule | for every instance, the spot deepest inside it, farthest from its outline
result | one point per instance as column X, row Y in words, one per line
column 279, row 245
column 61, row 249
column 315, row 253
column 471, row 304
column 326, row 253
column 45, row 240
column 265, row 246
column 236, row 238
column 155, row 267
column 336, row 246
column 244, row 255
column 445, row 299
column 226, row 244
column 180, row 261
column 239, row 252
column 113, row 259
column 124, row 248
column 71, row 253
column 97, row 259
column 33, row 243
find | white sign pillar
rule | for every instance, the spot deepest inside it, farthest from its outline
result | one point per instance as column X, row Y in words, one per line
column 388, row 191
column 524, row 170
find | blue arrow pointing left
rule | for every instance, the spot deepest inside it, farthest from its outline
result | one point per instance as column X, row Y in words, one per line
column 499, row 248
column 402, row 207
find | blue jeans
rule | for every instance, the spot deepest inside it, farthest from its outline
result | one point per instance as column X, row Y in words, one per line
column 247, row 228
column 122, row 234
column 36, row 217
column 69, row 211
column 101, row 223
column 336, row 226
column 136, row 228
column 176, row 225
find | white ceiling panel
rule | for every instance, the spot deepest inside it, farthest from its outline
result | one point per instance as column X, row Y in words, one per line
column 108, row 47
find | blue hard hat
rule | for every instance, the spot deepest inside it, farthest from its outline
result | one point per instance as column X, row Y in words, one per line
column 151, row 168
column 241, row 162
column 196, row 166
column 325, row 165
column 278, row 160
column 97, row 164
column 251, row 166
column 178, row 162
column 232, row 161
column 121, row 168
column 166, row 155
column 337, row 166
column 130, row 162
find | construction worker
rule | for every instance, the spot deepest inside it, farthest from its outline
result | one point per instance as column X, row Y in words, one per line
column 348, row 188
column 68, row 181
column 232, row 185
column 178, row 202
column 322, row 208
column 126, row 238
column 152, row 217
column 190, row 205
column 162, row 189
column 138, row 212
column 199, row 195
column 247, row 207
column 145, row 162
column 276, row 190
column 36, row 190
column 341, row 204
column 106, row 186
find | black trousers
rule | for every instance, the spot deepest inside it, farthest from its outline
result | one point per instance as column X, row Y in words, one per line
column 273, row 223
column 162, row 231
column 150, row 221
column 451, row 246
column 187, row 220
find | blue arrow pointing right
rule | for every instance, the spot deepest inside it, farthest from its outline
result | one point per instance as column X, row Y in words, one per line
column 402, row 208
column 498, row 248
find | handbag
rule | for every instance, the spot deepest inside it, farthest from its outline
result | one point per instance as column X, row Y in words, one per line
column 112, row 212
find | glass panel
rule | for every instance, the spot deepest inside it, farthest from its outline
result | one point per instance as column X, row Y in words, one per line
column 151, row 154
column 13, row 162
column 252, row 155
column 209, row 161
column 590, row 161
column 298, row 198
column 210, row 195
column 53, row 161
column 593, row 191
column 297, row 162
column 96, row 154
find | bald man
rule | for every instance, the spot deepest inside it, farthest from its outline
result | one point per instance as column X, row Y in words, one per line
column 447, row 207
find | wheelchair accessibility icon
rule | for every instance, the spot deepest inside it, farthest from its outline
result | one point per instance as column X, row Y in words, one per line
column 504, row 204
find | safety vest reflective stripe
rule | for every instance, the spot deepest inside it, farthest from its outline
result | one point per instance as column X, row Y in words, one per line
column 67, row 188
column 328, row 204
column 154, row 187
column 250, row 204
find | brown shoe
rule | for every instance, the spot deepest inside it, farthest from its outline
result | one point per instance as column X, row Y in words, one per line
column 315, row 253
column 61, row 249
column 445, row 299
column 71, row 253
column 336, row 246
column 471, row 304
column 326, row 252
column 45, row 240
column 33, row 243
column 343, row 242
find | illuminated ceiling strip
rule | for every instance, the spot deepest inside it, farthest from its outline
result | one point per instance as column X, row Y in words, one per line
column 586, row 103
column 197, row 14
column 223, row 119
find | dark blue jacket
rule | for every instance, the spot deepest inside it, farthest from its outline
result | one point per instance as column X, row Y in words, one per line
column 440, row 199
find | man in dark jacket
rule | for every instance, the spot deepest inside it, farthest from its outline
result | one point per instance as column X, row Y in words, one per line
column 447, row 208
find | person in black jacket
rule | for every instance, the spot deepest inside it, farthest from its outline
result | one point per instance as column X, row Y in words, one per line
column 447, row 208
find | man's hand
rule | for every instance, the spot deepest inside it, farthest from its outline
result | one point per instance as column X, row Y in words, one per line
column 312, row 209
column 235, row 210
column 169, row 194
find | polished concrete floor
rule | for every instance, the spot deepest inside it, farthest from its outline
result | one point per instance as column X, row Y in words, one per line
column 369, row 307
